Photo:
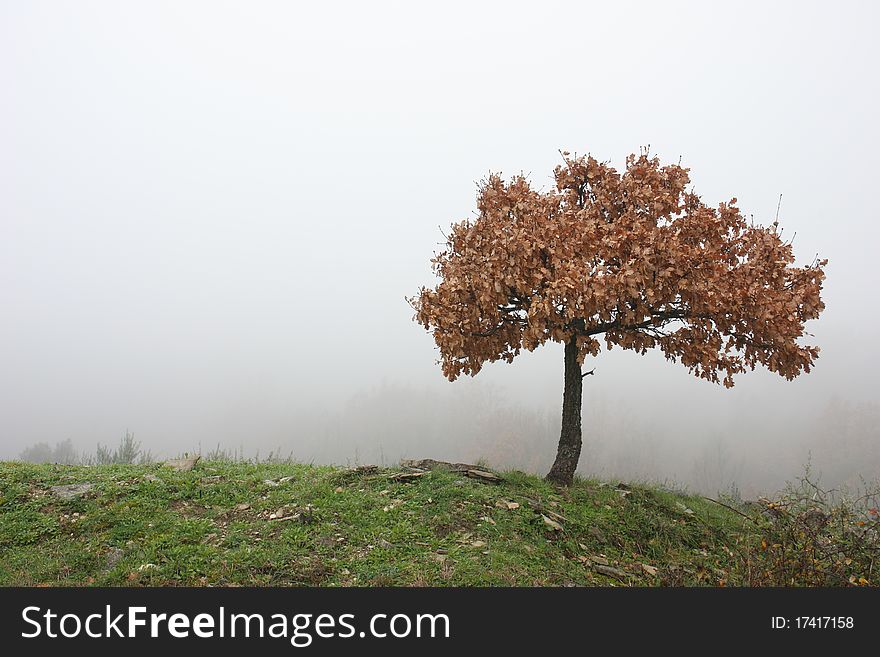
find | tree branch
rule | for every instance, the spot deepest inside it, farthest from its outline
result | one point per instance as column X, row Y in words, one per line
column 504, row 322
column 655, row 316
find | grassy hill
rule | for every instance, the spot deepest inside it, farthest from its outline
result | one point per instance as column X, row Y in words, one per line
column 278, row 524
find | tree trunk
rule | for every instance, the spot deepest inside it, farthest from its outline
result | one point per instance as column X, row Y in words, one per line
column 569, row 451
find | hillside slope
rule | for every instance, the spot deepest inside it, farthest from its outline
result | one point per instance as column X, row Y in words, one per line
column 278, row 524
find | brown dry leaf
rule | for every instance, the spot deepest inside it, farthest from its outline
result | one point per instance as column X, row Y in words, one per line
column 650, row 570
column 634, row 257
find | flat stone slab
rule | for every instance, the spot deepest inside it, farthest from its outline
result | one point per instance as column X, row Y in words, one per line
column 431, row 464
column 183, row 465
column 482, row 475
column 71, row 491
column 610, row 571
column 467, row 469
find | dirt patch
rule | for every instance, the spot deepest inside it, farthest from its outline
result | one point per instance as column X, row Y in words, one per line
column 188, row 510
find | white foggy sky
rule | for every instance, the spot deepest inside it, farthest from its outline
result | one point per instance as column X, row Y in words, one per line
column 210, row 212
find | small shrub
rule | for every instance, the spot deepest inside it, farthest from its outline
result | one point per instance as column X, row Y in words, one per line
column 809, row 536
column 129, row 451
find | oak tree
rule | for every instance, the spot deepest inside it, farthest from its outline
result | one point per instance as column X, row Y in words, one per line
column 632, row 259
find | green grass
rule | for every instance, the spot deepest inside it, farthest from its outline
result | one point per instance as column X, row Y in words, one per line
column 151, row 526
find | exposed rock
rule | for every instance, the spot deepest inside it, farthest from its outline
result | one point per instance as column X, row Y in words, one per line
column 113, row 558
column 552, row 524
column 350, row 475
column 610, row 571
column 467, row 469
column 482, row 475
column 71, row 491
column 183, row 465
column 556, row 516
column 407, row 476
column 431, row 464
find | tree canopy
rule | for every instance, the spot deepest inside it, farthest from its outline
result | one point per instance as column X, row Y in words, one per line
column 633, row 259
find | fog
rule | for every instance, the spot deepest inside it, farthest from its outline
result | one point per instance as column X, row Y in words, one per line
column 211, row 214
